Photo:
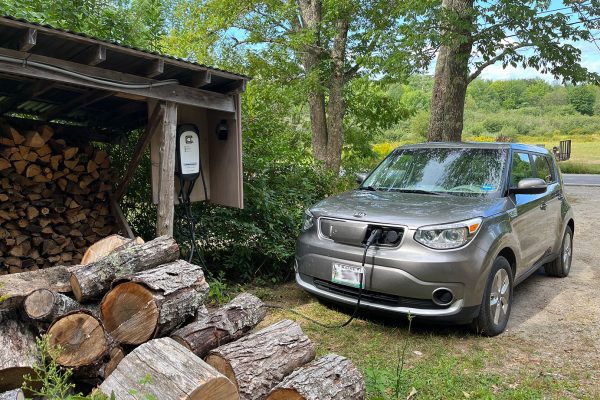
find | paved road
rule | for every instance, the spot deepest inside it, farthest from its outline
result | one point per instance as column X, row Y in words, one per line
column 581, row 179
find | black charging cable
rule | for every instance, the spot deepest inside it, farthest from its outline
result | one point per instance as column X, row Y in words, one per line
column 185, row 192
column 375, row 235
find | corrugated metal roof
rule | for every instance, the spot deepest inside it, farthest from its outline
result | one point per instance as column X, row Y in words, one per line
column 86, row 36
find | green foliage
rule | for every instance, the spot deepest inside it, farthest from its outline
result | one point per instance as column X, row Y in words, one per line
column 582, row 98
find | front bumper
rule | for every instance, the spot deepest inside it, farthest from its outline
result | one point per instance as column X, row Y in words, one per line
column 397, row 280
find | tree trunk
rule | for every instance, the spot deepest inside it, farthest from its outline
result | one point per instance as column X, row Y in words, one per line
column 331, row 377
column 45, row 305
column 451, row 75
column 154, row 302
column 15, row 288
column 337, row 108
column 175, row 374
column 17, row 356
column 83, row 340
column 225, row 325
column 92, row 280
column 311, row 15
column 258, row 362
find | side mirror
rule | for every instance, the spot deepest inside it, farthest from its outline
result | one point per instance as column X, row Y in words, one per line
column 360, row 178
column 529, row 186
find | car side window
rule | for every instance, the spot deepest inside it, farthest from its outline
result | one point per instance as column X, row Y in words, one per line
column 542, row 168
column 520, row 169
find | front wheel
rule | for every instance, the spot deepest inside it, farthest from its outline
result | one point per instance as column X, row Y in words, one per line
column 497, row 300
column 561, row 266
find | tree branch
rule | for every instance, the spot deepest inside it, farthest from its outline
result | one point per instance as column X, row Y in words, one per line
column 349, row 74
column 495, row 59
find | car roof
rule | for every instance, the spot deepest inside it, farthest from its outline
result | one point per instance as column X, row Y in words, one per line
column 479, row 145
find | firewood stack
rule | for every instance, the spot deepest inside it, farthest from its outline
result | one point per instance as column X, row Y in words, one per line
column 53, row 199
column 132, row 323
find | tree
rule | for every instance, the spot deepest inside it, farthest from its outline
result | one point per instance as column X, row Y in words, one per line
column 582, row 98
column 472, row 35
column 325, row 44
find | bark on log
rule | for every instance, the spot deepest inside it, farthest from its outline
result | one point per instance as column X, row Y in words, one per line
column 82, row 338
column 16, row 394
column 45, row 305
column 106, row 246
column 17, row 356
column 92, row 280
column 14, row 288
column 331, row 377
column 258, row 362
column 225, row 325
column 154, row 302
column 175, row 374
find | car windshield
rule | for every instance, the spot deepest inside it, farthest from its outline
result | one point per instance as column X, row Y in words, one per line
column 460, row 171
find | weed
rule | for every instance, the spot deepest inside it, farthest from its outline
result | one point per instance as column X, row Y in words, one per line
column 220, row 291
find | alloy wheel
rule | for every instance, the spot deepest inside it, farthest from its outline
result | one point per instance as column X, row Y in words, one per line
column 500, row 296
column 567, row 252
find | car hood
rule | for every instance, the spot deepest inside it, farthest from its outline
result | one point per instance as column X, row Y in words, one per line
column 410, row 209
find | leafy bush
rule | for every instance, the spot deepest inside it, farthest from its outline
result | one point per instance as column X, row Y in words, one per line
column 582, row 98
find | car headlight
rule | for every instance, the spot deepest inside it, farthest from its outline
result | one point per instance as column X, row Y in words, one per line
column 308, row 221
column 448, row 236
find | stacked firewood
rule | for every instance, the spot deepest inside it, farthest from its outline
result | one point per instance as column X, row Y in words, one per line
column 132, row 323
column 53, row 199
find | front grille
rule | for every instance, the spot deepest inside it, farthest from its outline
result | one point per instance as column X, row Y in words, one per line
column 376, row 297
column 356, row 233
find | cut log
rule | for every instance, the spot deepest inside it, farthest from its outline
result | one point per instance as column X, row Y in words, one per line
column 154, row 302
column 259, row 361
column 16, row 287
column 34, row 139
column 176, row 374
column 17, row 342
column 106, row 246
column 4, row 164
column 46, row 305
column 16, row 394
column 82, row 339
column 92, row 280
column 331, row 377
column 225, row 325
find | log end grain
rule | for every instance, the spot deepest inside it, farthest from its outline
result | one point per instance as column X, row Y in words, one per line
column 39, row 304
column 81, row 337
column 129, row 313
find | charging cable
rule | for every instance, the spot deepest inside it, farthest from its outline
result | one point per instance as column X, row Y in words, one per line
column 185, row 191
column 375, row 235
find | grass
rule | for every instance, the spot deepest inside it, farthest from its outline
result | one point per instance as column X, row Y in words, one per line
column 442, row 362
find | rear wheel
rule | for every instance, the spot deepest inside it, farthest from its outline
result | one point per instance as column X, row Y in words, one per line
column 497, row 300
column 561, row 266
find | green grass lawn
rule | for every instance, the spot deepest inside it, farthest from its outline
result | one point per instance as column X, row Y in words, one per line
column 432, row 362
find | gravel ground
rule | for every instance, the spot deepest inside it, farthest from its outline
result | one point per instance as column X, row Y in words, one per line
column 555, row 323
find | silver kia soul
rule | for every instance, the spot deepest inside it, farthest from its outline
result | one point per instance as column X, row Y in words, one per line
column 441, row 230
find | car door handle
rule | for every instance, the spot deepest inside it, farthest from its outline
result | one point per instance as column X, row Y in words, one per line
column 543, row 205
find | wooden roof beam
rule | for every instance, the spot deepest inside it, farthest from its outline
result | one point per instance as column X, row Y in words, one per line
column 201, row 78
column 154, row 68
column 172, row 92
column 78, row 102
column 94, row 55
column 238, row 86
column 28, row 39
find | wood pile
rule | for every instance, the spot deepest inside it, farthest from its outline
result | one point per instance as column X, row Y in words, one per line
column 53, row 199
column 132, row 323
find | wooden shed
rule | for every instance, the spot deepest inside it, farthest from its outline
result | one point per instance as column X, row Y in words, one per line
column 90, row 90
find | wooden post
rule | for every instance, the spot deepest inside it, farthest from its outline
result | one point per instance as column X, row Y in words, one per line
column 166, row 168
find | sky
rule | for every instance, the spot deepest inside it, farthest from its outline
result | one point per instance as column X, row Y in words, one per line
column 590, row 58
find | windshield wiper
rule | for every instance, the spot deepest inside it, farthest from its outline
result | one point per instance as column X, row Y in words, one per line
column 369, row 188
column 419, row 191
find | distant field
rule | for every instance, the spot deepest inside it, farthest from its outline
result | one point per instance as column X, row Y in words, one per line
column 585, row 150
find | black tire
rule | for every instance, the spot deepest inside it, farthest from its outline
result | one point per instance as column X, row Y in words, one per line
column 492, row 319
column 561, row 266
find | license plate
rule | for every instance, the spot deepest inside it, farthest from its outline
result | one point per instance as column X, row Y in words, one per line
column 348, row 275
